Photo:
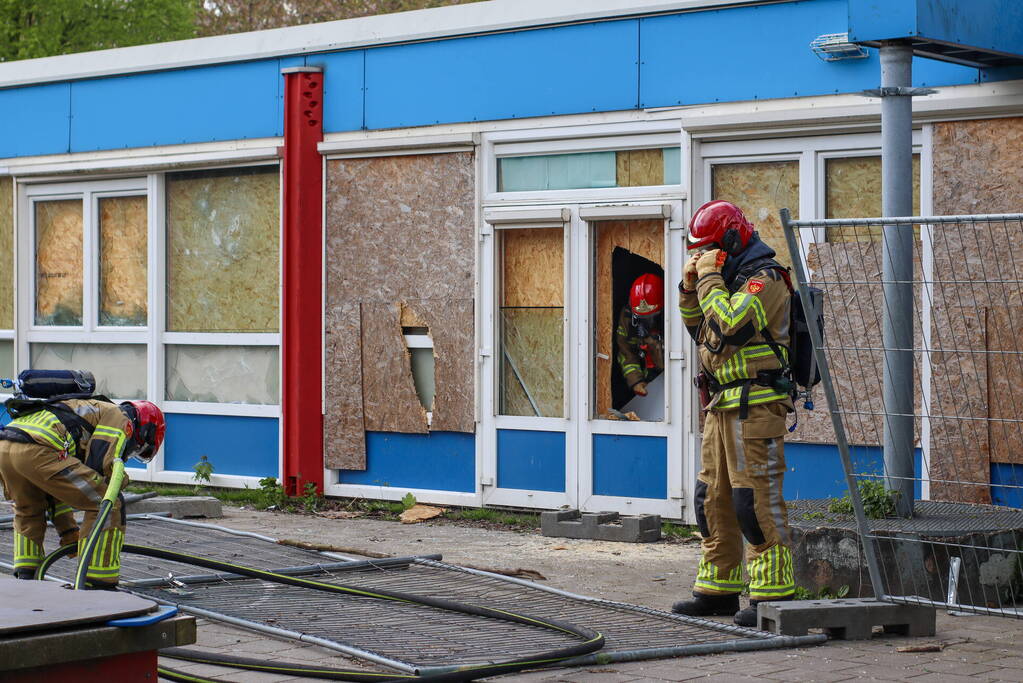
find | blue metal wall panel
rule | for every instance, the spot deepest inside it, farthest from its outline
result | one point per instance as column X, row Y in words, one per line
column 882, row 19
column 246, row 446
column 631, row 466
column 815, row 470
column 759, row 52
column 439, row 461
column 35, row 120
column 1006, row 480
column 531, row 461
column 344, row 91
column 566, row 70
column 284, row 63
column 227, row 102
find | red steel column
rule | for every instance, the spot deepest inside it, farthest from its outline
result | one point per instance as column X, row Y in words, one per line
column 302, row 282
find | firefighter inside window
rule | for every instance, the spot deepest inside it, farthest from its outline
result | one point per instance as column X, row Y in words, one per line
column 637, row 382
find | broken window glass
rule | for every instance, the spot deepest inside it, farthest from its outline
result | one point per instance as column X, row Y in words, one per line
column 532, row 326
column 58, row 262
column 223, row 256
column 628, row 363
column 223, row 374
column 120, row 369
column 123, row 291
column 587, row 170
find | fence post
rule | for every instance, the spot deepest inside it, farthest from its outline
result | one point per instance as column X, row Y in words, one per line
column 897, row 250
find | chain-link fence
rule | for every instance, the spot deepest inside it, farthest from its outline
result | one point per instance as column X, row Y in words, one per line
column 922, row 369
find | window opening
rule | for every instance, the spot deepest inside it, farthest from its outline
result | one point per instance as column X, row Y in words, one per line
column 420, row 348
column 588, row 170
column 532, row 325
column 629, row 320
column 123, row 254
column 58, row 262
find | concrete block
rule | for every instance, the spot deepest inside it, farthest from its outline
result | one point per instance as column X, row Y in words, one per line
column 848, row 619
column 179, row 507
column 601, row 526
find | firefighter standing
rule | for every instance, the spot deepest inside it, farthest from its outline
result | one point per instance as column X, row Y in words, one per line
column 735, row 302
column 56, row 458
column 639, row 335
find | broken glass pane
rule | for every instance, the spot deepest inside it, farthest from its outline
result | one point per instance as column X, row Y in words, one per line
column 58, row 262
column 223, row 374
column 120, row 369
column 223, row 256
column 123, row 227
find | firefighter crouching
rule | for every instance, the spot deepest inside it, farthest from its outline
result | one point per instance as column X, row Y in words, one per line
column 56, row 458
column 735, row 302
column 639, row 336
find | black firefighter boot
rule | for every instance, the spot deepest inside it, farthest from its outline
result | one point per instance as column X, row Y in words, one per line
column 748, row 617
column 708, row 605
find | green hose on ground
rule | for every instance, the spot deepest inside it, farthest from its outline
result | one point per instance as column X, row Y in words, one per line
column 85, row 557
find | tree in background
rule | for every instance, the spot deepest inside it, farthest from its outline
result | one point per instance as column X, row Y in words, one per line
column 217, row 17
column 40, row 28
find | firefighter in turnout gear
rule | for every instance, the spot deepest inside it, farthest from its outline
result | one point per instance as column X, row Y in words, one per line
column 639, row 336
column 56, row 458
column 735, row 302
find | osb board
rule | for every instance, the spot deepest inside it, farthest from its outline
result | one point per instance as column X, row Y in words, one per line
column 123, row 230
column 853, row 190
column 389, row 398
column 344, row 433
column 645, row 238
column 853, row 337
column 960, row 450
column 1005, row 384
column 450, row 324
column 6, row 254
column 533, row 267
column 639, row 167
column 58, row 228
column 761, row 189
column 400, row 227
column 533, row 339
column 223, row 251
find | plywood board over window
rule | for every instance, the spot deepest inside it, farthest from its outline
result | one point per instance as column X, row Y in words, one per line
column 123, row 230
column 6, row 253
column 58, row 262
column 761, row 189
column 223, row 250
column 400, row 232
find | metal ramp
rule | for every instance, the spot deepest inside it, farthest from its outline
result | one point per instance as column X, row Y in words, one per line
column 405, row 637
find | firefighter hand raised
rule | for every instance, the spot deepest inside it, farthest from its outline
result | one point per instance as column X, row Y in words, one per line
column 710, row 262
column 689, row 275
column 639, row 389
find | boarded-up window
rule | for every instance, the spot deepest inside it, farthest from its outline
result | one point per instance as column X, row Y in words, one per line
column 587, row 170
column 122, row 261
column 532, row 326
column 852, row 189
column 223, row 255
column 223, row 374
column 761, row 189
column 120, row 369
column 58, row 262
column 6, row 254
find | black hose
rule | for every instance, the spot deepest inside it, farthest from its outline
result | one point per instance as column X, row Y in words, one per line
column 592, row 641
column 48, row 561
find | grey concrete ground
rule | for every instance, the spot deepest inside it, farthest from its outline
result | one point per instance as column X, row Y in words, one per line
column 978, row 648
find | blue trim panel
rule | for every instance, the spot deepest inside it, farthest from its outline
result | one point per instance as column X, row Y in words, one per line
column 35, row 120
column 566, row 70
column 438, row 461
column 531, row 461
column 245, row 446
column 815, row 470
column 344, row 89
column 763, row 53
column 1005, row 476
column 630, row 466
column 4, row 417
column 873, row 20
column 227, row 102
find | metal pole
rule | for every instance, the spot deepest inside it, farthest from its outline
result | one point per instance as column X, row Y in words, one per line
column 897, row 268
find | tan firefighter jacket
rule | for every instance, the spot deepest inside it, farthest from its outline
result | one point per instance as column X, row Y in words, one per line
column 728, row 329
column 633, row 359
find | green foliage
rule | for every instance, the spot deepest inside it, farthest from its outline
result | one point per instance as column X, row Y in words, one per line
column 203, row 473
column 311, row 500
column 672, row 530
column 516, row 520
column 878, row 502
column 41, row 28
column 408, row 502
column 809, row 516
column 824, row 593
column 272, row 495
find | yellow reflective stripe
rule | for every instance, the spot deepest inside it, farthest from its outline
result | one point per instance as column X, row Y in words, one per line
column 27, row 553
column 731, row 398
column 687, row 312
column 771, row 573
column 622, row 332
column 46, row 435
column 732, row 310
column 118, row 435
column 708, row 576
column 631, row 367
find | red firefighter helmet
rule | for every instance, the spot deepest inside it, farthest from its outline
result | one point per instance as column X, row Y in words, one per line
column 646, row 296
column 721, row 223
column 148, row 427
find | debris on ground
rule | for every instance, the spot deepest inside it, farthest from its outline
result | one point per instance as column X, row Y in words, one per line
column 319, row 547
column 420, row 513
